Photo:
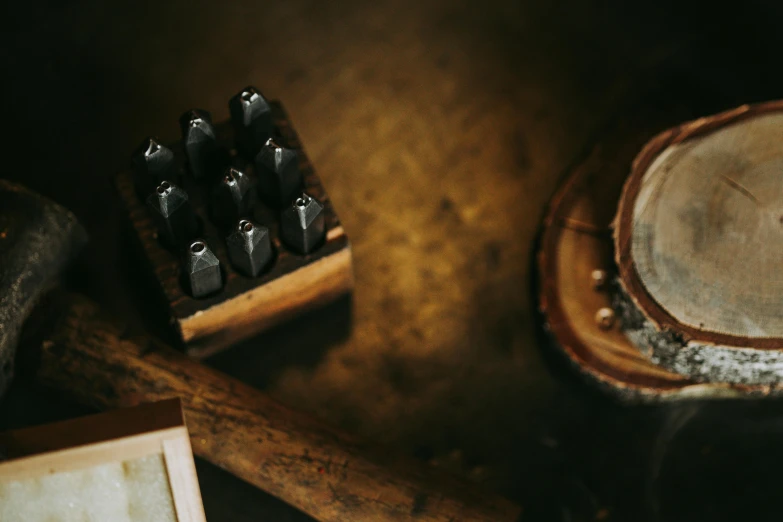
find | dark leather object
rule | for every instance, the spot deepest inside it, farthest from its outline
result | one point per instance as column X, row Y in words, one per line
column 37, row 240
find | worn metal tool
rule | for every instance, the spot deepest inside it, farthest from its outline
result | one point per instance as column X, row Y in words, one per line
column 234, row 197
column 202, row 269
column 249, row 247
column 152, row 163
column 173, row 215
column 200, row 143
column 302, row 224
column 71, row 346
column 251, row 115
column 278, row 172
column 37, row 239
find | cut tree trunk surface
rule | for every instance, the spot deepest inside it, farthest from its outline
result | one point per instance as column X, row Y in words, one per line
column 698, row 236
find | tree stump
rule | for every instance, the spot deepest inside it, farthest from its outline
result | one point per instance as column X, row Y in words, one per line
column 698, row 241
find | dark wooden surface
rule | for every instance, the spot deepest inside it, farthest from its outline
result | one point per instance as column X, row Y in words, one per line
column 164, row 265
column 441, row 130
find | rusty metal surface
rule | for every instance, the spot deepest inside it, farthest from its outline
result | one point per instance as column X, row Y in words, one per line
column 440, row 129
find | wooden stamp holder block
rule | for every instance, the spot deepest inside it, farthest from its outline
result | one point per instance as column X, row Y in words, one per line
column 245, row 306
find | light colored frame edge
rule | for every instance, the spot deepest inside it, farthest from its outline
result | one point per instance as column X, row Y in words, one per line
column 172, row 443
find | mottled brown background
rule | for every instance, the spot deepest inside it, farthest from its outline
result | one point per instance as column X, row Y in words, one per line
column 440, row 129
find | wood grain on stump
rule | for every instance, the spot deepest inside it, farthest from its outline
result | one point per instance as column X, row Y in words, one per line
column 698, row 236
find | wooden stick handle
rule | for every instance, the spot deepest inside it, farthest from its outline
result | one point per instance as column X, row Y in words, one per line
column 294, row 457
